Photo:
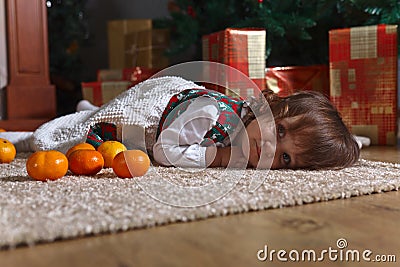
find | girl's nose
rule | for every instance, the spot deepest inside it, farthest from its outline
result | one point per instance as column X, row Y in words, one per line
column 268, row 148
column 267, row 155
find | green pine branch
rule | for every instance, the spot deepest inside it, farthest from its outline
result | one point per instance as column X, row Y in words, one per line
column 297, row 30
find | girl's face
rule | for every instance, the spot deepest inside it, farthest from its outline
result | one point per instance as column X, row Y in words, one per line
column 267, row 147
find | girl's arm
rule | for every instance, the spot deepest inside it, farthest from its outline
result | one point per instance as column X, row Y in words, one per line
column 179, row 143
column 218, row 156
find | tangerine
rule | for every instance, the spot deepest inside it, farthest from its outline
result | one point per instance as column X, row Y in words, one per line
column 47, row 165
column 137, row 160
column 109, row 149
column 78, row 147
column 85, row 162
column 7, row 151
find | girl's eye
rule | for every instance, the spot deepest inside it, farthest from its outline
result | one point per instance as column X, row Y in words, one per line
column 281, row 130
column 286, row 158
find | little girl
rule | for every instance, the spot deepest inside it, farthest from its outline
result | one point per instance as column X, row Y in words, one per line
column 186, row 125
column 309, row 132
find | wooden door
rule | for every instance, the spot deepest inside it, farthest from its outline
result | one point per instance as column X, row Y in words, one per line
column 31, row 99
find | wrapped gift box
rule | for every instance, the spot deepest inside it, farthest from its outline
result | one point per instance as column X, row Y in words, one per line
column 147, row 48
column 112, row 82
column 134, row 42
column 99, row 93
column 286, row 80
column 242, row 49
column 363, row 80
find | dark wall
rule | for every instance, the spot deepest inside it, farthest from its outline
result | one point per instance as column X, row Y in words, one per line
column 99, row 12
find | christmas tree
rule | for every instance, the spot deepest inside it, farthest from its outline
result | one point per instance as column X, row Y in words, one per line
column 297, row 30
column 68, row 32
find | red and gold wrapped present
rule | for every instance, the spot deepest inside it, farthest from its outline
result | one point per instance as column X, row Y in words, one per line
column 363, row 80
column 135, row 42
column 242, row 49
column 286, row 80
column 99, row 93
column 112, row 82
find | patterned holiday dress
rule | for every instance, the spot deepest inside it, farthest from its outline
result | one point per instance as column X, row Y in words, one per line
column 193, row 120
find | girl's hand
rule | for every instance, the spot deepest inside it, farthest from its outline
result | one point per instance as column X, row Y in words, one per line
column 237, row 160
column 231, row 157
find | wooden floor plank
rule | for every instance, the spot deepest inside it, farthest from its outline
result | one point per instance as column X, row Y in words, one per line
column 366, row 222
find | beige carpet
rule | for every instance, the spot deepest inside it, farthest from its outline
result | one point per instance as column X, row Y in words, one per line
column 32, row 212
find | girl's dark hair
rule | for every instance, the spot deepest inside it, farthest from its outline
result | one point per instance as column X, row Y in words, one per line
column 322, row 137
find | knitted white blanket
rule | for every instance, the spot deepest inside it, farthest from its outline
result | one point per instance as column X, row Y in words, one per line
column 141, row 105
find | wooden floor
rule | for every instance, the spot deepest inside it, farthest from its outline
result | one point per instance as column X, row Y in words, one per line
column 366, row 223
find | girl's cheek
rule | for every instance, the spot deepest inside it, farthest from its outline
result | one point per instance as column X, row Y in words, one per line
column 268, row 135
column 267, row 129
column 275, row 164
column 268, row 149
column 245, row 146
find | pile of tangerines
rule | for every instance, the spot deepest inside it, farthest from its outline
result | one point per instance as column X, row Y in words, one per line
column 81, row 159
